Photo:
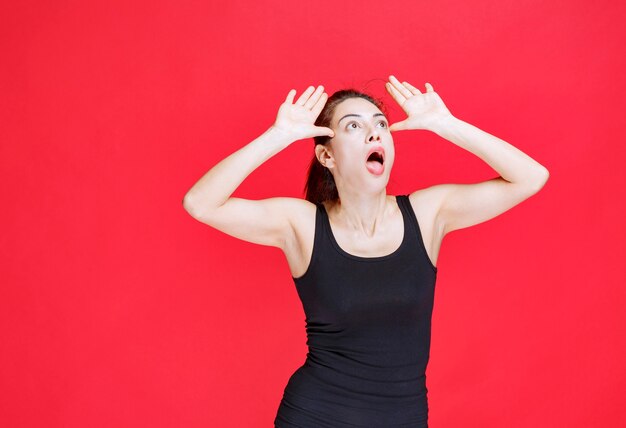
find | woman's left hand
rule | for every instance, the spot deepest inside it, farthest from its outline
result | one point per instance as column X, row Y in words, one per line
column 424, row 110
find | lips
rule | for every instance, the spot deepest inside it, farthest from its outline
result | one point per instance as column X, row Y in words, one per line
column 375, row 160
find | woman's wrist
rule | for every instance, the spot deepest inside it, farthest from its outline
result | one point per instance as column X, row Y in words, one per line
column 279, row 135
column 444, row 123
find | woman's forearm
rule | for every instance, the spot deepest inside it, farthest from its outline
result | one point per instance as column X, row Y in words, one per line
column 511, row 163
column 219, row 183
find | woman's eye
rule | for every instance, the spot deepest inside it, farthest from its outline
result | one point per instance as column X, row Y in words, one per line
column 383, row 124
column 352, row 125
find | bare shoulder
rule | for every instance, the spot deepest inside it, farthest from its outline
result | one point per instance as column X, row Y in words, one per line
column 299, row 212
column 426, row 203
column 298, row 248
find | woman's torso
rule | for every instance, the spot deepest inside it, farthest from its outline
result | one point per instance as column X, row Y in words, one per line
column 368, row 328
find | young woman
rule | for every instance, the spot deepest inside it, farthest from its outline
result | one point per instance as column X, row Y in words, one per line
column 363, row 262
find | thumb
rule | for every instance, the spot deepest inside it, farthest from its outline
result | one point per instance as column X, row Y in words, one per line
column 398, row 126
column 322, row 130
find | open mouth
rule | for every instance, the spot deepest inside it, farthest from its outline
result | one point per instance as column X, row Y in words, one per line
column 375, row 161
column 376, row 157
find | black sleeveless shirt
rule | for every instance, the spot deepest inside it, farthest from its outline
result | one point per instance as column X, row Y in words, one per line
column 368, row 322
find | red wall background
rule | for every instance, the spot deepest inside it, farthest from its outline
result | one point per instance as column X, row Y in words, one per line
column 119, row 309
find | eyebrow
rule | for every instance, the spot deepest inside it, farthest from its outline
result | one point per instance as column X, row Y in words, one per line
column 358, row 115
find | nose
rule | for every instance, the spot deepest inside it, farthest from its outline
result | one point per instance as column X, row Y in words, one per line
column 374, row 136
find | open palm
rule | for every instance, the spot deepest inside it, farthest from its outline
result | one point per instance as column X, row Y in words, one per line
column 423, row 109
column 297, row 119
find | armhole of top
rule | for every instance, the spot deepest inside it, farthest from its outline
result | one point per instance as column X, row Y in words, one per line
column 409, row 208
column 316, row 236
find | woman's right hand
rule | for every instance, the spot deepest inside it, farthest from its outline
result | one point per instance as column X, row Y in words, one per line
column 296, row 120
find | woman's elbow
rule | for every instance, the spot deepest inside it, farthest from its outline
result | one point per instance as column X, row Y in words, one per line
column 540, row 179
column 189, row 205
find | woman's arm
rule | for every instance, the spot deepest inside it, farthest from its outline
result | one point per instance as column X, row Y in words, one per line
column 215, row 187
column 265, row 221
column 463, row 205
column 512, row 164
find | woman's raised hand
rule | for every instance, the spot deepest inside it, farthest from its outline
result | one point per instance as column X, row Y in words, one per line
column 424, row 110
column 296, row 120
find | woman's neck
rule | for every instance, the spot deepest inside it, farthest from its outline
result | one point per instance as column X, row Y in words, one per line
column 360, row 212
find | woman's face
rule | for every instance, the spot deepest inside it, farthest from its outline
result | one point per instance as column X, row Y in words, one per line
column 360, row 128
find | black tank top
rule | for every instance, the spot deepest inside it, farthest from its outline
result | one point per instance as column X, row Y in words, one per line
column 368, row 322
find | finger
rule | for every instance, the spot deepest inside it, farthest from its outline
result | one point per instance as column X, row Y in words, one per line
column 290, row 96
column 400, row 87
column 325, row 131
column 319, row 105
column 314, row 97
column 411, row 88
column 305, row 96
column 429, row 87
column 398, row 126
column 400, row 99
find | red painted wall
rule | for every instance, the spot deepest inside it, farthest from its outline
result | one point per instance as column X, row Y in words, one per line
column 119, row 309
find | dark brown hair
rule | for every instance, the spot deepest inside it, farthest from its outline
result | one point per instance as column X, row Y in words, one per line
column 320, row 184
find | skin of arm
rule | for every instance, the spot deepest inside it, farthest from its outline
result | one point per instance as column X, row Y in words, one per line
column 512, row 164
column 219, row 183
column 266, row 221
column 463, row 205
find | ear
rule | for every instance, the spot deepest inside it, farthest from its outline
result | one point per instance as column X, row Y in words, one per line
column 324, row 156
